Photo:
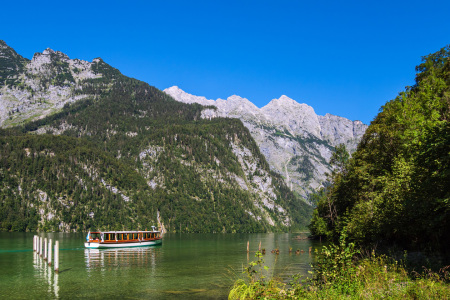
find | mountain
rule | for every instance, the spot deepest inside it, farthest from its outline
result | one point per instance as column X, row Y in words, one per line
column 84, row 147
column 296, row 142
column 37, row 88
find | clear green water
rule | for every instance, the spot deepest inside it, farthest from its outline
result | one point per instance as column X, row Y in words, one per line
column 186, row 266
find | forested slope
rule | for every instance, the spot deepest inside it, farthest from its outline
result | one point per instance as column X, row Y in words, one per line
column 127, row 154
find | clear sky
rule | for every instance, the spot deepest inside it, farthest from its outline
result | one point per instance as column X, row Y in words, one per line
column 346, row 58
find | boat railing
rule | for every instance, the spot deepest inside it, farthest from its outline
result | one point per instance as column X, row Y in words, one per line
column 124, row 236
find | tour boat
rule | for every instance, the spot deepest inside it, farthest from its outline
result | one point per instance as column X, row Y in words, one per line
column 119, row 239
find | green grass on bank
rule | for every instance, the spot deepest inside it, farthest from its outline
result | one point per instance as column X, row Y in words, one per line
column 341, row 273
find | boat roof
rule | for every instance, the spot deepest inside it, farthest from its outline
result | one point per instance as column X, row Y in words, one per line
column 128, row 231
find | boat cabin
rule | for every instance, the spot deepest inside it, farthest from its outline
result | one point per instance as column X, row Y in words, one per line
column 122, row 236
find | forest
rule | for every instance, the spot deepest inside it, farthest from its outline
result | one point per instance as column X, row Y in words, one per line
column 396, row 187
column 127, row 154
column 385, row 211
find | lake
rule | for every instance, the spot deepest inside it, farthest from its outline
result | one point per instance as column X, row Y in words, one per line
column 188, row 266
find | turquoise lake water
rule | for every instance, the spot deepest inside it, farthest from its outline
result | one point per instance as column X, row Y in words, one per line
column 185, row 266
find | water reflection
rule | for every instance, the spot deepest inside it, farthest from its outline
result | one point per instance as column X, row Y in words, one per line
column 46, row 272
column 121, row 257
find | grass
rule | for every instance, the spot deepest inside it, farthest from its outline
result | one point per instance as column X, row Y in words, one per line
column 341, row 273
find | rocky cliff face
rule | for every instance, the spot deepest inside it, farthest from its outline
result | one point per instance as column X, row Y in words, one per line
column 34, row 89
column 296, row 142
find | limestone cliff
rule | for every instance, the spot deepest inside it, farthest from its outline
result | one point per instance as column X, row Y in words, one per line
column 296, row 141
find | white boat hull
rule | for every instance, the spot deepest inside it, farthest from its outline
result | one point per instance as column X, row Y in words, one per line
column 122, row 245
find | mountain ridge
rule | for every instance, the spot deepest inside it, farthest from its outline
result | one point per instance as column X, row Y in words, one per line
column 66, row 138
column 296, row 142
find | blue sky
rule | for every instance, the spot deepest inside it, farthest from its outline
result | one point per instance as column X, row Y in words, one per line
column 346, row 58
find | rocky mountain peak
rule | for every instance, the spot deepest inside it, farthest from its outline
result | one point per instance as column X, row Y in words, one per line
column 11, row 64
column 48, row 56
column 292, row 116
column 286, row 103
column 178, row 93
column 283, row 101
column 41, row 86
column 48, row 51
column 236, row 98
column 296, row 142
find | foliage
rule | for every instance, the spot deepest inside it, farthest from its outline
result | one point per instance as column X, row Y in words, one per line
column 335, row 263
column 338, row 275
column 11, row 64
column 325, row 216
column 256, row 286
column 395, row 188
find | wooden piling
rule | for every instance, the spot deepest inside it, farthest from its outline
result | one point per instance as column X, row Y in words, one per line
column 45, row 249
column 50, row 252
column 40, row 246
column 34, row 243
column 248, row 246
column 259, row 249
column 56, row 256
column 310, row 248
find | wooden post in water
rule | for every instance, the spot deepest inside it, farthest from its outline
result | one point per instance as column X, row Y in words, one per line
column 45, row 249
column 50, row 252
column 56, row 256
column 310, row 248
column 40, row 246
column 34, row 243
column 248, row 246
